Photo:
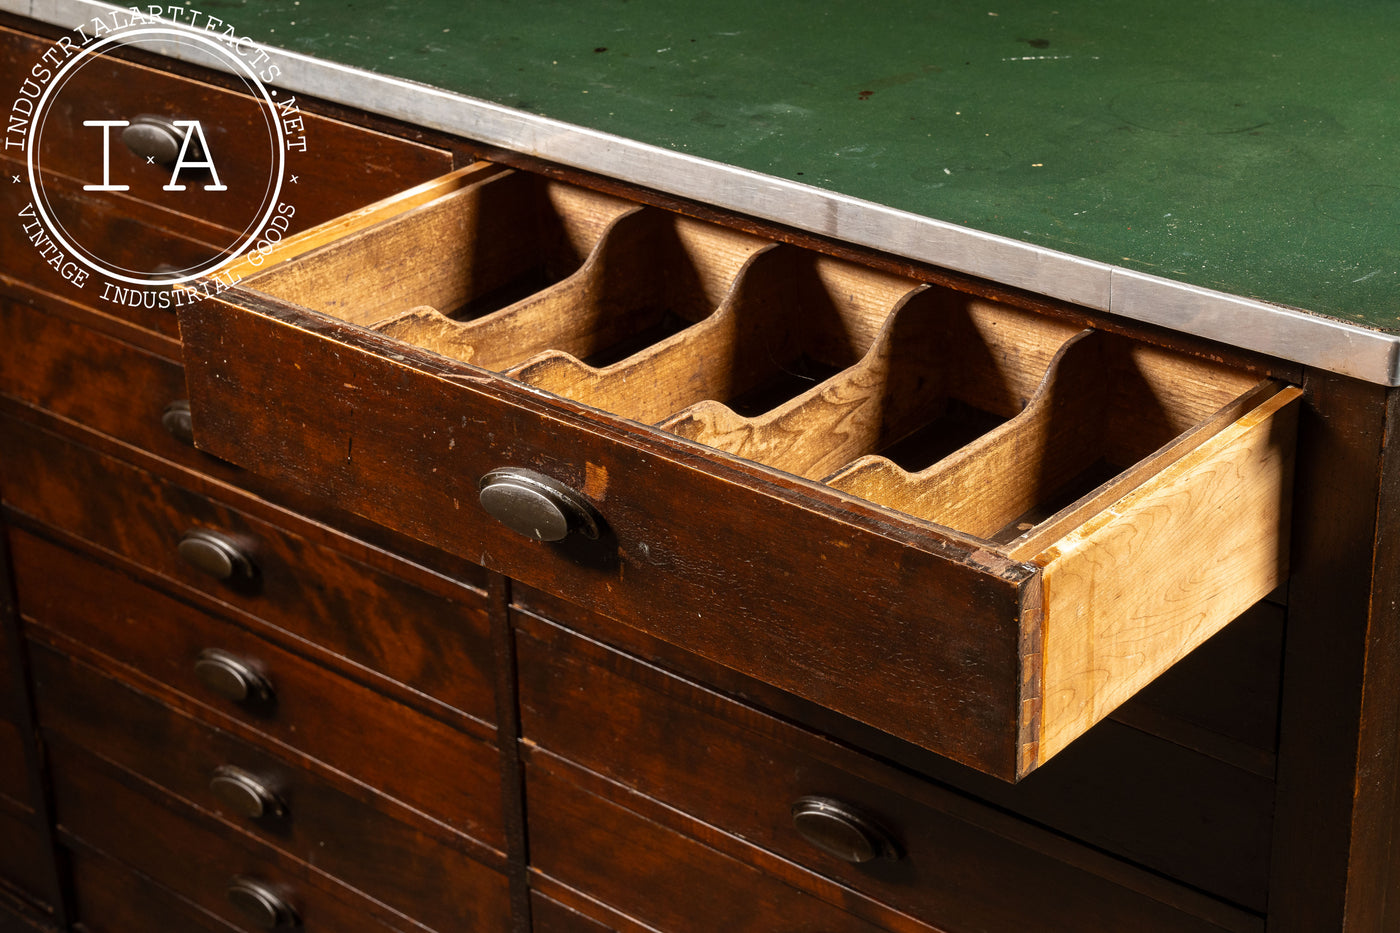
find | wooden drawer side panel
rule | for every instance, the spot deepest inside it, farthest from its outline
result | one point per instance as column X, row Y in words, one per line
column 1141, row 585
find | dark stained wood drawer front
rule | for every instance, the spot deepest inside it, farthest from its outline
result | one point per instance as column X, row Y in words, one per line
column 439, row 647
column 742, row 479
column 115, row 812
column 936, row 855
column 345, row 165
column 133, row 234
column 549, row 916
column 619, row 857
column 92, row 378
column 111, row 898
column 409, row 756
column 23, row 858
column 419, row 874
column 14, row 773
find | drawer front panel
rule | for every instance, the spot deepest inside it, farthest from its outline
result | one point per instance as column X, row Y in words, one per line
column 549, row 916
column 338, row 152
column 14, row 773
column 1043, row 567
column 111, row 898
column 112, row 811
column 437, row 646
column 24, row 859
column 620, row 858
column 136, row 235
column 958, row 865
column 411, row 757
column 739, row 572
column 92, row 378
column 418, row 874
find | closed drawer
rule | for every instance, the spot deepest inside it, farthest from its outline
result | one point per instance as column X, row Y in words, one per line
column 549, row 916
column 14, row 773
column 292, row 704
column 93, row 378
column 619, row 857
column 25, row 863
column 109, row 810
column 419, row 874
column 436, row 645
column 619, row 848
column 132, row 234
column 249, row 166
column 970, row 526
column 111, row 898
column 930, row 853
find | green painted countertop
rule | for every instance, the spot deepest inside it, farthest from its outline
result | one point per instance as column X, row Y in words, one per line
column 1243, row 146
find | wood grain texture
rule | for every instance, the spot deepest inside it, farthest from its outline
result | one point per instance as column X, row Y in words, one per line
column 701, row 552
column 437, row 771
column 1332, row 851
column 435, row 645
column 779, row 308
column 963, row 866
column 934, row 346
column 571, row 827
column 111, row 898
column 113, row 811
column 378, row 163
column 249, row 265
column 428, row 877
column 25, row 863
column 550, row 916
column 1133, row 590
column 484, row 240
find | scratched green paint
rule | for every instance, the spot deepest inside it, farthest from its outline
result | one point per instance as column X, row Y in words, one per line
column 1246, row 146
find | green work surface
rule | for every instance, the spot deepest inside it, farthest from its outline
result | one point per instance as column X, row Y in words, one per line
column 1240, row 145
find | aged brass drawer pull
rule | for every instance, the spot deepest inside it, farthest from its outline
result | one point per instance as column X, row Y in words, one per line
column 263, row 906
column 233, row 679
column 215, row 555
column 245, row 794
column 536, row 506
column 840, row 831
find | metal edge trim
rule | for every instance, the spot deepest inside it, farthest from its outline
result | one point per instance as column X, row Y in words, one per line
column 1296, row 336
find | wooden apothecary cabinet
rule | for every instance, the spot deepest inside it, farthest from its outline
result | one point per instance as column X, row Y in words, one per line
column 599, row 561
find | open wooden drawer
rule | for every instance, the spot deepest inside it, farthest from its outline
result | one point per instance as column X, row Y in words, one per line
column 973, row 527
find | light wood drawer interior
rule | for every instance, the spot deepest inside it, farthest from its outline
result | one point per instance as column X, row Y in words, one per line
column 1131, row 499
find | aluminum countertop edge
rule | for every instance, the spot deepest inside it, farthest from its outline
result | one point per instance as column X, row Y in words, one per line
column 1273, row 330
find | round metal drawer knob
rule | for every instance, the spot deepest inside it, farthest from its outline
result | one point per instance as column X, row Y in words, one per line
column 840, row 831
column 215, row 555
column 157, row 138
column 264, row 907
column 245, row 795
column 178, row 422
column 535, row 505
column 232, row 678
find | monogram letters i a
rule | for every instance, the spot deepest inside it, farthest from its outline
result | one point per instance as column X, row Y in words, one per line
column 191, row 129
